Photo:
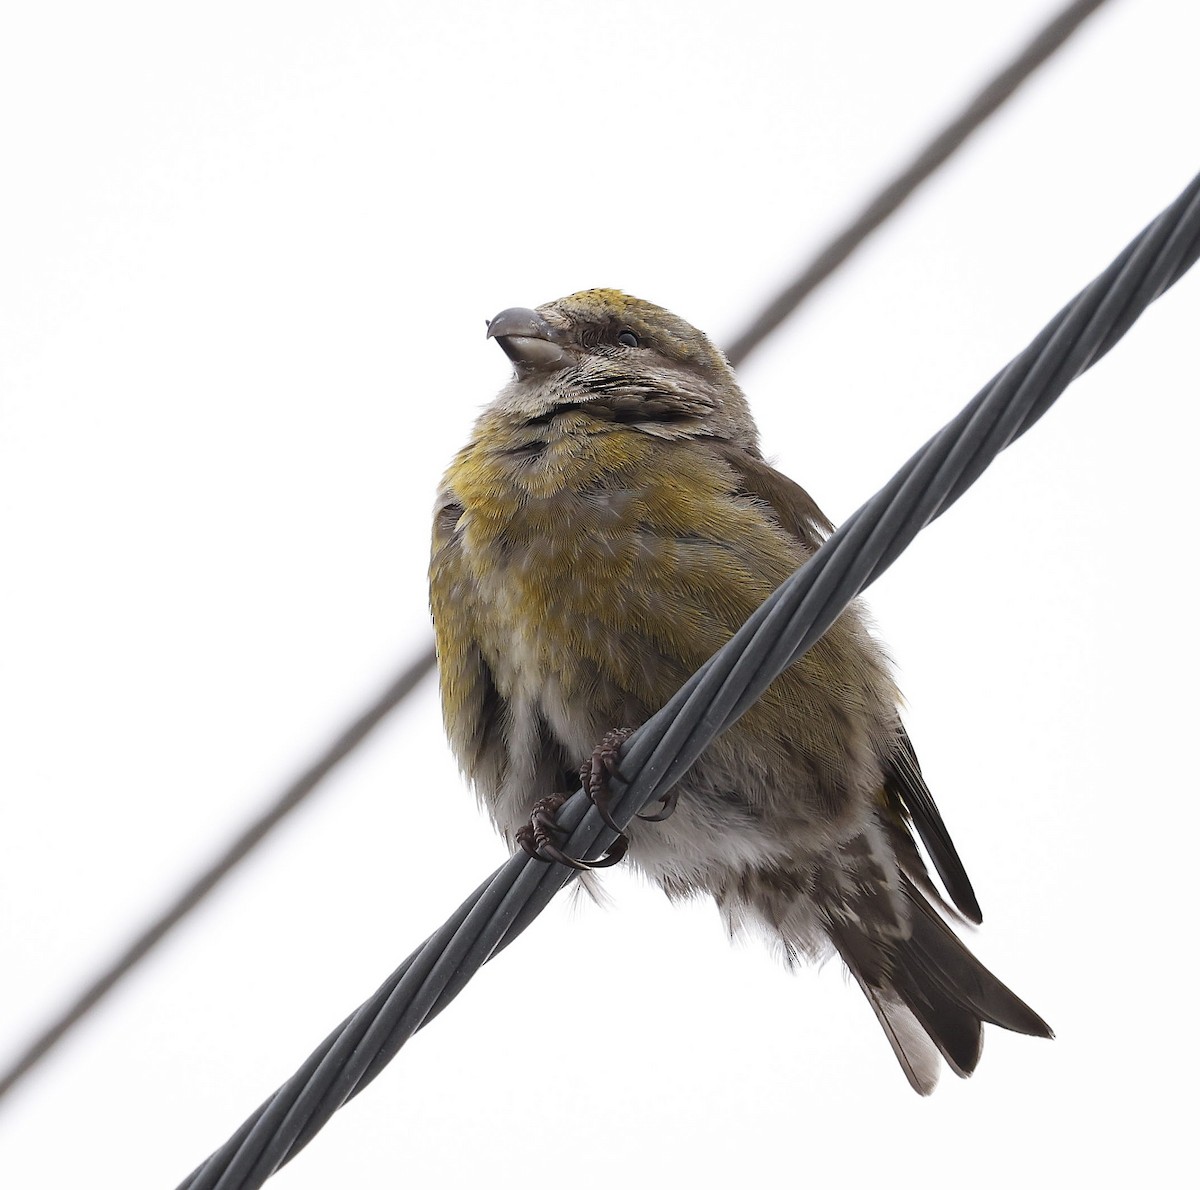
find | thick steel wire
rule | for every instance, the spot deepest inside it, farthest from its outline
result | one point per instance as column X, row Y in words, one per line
column 659, row 753
column 990, row 97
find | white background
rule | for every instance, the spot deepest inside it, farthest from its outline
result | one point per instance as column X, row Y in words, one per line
column 246, row 254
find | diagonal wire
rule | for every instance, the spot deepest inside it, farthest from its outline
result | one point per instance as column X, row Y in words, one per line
column 660, row 751
column 236, row 851
column 934, row 154
column 986, row 102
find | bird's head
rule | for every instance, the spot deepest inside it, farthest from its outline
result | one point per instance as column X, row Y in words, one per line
column 623, row 360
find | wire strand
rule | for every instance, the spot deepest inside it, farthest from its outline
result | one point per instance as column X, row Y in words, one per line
column 661, row 750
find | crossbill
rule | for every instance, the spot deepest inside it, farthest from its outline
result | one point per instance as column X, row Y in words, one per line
column 609, row 525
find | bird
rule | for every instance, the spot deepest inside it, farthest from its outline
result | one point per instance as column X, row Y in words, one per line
column 610, row 523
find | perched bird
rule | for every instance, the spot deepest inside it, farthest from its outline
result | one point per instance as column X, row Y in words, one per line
column 610, row 524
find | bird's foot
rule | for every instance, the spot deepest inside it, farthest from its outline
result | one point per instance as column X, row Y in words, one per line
column 595, row 772
column 537, row 839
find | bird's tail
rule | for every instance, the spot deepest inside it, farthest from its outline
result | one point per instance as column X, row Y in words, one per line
column 930, row 993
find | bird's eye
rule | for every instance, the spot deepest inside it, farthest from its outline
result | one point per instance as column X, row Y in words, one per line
column 627, row 338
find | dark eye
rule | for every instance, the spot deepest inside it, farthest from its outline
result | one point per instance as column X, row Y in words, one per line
column 627, row 338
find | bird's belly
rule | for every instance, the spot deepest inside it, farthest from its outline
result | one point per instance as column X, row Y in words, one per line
column 580, row 641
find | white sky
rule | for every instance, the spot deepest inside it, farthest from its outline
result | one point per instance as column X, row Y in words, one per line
column 246, row 254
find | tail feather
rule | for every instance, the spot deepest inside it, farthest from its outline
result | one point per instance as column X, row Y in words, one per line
column 927, row 990
column 936, row 952
column 906, row 1035
column 955, row 1029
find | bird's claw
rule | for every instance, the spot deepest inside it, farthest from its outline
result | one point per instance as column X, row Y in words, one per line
column 669, row 800
column 595, row 772
column 537, row 839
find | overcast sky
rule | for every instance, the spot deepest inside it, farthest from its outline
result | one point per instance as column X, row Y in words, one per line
column 246, row 254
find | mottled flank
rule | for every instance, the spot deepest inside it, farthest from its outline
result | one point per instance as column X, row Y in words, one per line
column 608, row 527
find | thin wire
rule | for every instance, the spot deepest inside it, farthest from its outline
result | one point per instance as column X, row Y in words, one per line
column 236, row 851
column 983, row 105
column 900, row 188
column 660, row 751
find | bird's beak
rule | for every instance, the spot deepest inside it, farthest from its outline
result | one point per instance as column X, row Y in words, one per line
column 528, row 340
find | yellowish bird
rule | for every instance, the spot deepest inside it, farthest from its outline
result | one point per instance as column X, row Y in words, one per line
column 610, row 524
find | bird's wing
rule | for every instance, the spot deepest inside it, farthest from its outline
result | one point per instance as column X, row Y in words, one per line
column 796, row 511
column 473, row 708
column 905, row 788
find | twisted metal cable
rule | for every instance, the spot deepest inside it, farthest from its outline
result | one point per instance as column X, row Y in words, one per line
column 661, row 751
column 986, row 102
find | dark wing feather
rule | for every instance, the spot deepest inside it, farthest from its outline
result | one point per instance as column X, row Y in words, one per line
column 906, row 790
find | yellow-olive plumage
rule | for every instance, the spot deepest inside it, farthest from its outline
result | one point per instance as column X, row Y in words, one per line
column 607, row 528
